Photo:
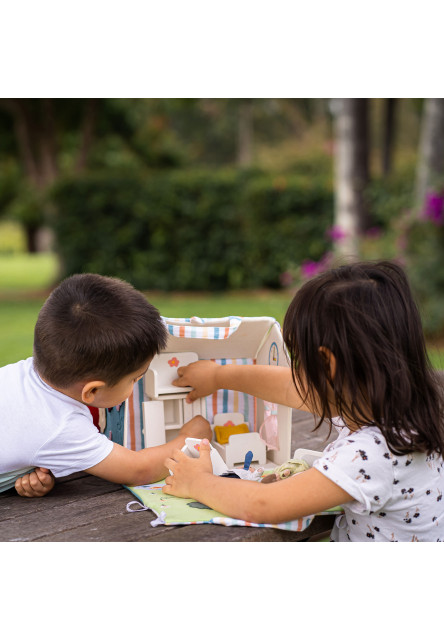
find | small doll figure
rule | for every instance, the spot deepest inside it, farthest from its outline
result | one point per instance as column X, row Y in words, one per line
column 285, row 470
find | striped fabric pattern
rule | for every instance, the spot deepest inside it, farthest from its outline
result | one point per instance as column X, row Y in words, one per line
column 171, row 511
column 227, row 401
column 135, row 439
column 291, row 525
column 194, row 327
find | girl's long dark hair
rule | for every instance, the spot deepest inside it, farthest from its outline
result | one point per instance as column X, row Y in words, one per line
column 365, row 315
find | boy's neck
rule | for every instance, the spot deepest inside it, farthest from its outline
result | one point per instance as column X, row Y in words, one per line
column 74, row 391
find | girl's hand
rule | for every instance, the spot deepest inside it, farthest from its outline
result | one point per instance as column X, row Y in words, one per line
column 35, row 484
column 200, row 375
column 188, row 473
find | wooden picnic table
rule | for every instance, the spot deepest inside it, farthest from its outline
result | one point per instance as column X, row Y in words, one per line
column 83, row 508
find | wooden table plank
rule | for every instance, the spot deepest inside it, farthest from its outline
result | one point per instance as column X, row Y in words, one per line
column 89, row 509
column 55, row 516
column 303, row 434
column 71, row 489
column 106, row 521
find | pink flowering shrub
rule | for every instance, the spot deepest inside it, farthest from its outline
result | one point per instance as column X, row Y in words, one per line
column 423, row 240
column 434, row 208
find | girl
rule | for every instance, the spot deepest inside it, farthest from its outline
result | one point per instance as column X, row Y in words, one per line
column 358, row 360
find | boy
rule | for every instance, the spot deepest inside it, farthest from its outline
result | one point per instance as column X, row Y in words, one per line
column 94, row 338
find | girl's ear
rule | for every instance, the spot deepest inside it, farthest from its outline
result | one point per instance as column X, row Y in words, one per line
column 329, row 362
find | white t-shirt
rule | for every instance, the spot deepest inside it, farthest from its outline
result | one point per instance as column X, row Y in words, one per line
column 42, row 427
column 397, row 498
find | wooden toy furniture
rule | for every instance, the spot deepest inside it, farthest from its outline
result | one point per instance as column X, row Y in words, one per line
column 163, row 370
column 165, row 409
column 238, row 444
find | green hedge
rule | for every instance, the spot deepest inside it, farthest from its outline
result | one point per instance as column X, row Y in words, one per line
column 191, row 230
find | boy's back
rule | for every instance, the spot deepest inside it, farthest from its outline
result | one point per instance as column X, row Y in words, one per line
column 94, row 339
column 42, row 427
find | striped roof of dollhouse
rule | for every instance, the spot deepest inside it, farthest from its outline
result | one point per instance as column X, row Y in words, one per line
column 205, row 328
column 228, row 337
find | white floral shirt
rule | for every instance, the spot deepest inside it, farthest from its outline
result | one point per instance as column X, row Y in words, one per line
column 396, row 498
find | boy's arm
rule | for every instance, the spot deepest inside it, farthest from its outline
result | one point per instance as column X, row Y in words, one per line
column 134, row 468
column 300, row 495
column 271, row 383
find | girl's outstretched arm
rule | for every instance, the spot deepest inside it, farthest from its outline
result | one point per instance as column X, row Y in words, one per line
column 301, row 495
column 271, row 383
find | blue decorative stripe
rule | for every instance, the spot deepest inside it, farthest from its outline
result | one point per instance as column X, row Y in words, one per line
column 224, row 393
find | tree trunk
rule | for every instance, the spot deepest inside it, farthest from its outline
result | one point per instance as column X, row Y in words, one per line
column 351, row 173
column 389, row 130
column 25, row 133
column 431, row 149
column 31, row 238
column 245, row 132
column 88, row 126
column 35, row 128
column 47, row 143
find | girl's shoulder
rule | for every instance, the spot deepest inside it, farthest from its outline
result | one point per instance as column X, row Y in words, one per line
column 362, row 449
column 368, row 434
column 371, row 442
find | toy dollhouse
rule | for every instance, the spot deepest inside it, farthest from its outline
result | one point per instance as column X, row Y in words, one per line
column 240, row 422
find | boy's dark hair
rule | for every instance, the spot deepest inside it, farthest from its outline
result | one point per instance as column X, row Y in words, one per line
column 364, row 313
column 95, row 327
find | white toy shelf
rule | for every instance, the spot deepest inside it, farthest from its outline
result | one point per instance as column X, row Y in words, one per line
column 226, row 340
column 166, row 409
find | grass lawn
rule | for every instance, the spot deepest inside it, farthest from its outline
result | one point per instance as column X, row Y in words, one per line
column 20, row 272
column 436, row 355
column 25, row 279
column 18, row 317
column 17, row 320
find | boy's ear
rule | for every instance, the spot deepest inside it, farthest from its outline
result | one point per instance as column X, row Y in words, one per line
column 90, row 390
column 329, row 361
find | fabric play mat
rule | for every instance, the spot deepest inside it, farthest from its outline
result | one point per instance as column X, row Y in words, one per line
column 173, row 511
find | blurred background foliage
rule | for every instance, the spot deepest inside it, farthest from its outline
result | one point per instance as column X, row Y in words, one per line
column 191, row 230
column 220, row 195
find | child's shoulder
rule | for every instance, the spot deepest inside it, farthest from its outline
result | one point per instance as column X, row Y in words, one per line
column 370, row 434
column 20, row 364
column 15, row 374
column 22, row 385
column 367, row 444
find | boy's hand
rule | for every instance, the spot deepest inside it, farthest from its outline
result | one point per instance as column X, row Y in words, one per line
column 198, row 427
column 200, row 375
column 35, row 484
column 188, row 473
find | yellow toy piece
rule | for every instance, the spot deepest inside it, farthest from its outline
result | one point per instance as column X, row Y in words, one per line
column 223, row 433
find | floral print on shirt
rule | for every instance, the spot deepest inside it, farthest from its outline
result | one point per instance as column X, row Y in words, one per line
column 396, row 498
